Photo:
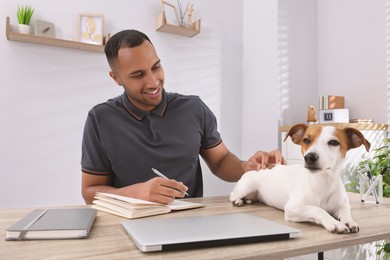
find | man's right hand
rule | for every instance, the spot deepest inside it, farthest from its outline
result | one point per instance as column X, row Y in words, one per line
column 158, row 190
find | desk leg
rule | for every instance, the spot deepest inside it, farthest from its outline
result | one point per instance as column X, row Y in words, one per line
column 321, row 256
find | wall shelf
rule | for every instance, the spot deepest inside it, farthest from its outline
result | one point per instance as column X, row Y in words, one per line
column 162, row 26
column 14, row 36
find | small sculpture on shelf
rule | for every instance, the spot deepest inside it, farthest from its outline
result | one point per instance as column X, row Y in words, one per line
column 190, row 12
column 181, row 14
column 311, row 115
column 44, row 28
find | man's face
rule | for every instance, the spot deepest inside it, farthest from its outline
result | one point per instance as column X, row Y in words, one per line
column 140, row 73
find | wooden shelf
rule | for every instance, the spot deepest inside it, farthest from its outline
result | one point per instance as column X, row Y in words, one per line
column 13, row 36
column 162, row 26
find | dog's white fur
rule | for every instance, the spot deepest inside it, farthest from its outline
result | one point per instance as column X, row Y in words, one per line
column 311, row 192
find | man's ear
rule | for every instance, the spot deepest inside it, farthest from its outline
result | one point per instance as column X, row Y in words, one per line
column 115, row 78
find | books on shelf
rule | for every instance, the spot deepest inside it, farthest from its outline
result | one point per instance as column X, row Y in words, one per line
column 131, row 208
column 331, row 102
column 53, row 224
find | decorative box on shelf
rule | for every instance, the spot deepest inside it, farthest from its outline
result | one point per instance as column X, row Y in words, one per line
column 163, row 26
column 334, row 116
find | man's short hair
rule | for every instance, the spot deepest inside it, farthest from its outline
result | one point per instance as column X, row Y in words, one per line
column 123, row 39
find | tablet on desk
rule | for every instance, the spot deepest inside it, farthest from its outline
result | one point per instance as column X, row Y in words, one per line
column 204, row 231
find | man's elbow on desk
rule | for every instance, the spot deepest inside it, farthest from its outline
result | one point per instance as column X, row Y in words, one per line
column 90, row 184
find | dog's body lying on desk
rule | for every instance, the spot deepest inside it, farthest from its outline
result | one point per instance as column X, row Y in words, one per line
column 311, row 192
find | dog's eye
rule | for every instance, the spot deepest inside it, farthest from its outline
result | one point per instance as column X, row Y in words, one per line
column 306, row 140
column 333, row 143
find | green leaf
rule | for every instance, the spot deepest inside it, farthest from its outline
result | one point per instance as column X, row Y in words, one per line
column 386, row 248
column 24, row 14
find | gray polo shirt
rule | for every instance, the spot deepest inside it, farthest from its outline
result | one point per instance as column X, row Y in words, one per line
column 124, row 142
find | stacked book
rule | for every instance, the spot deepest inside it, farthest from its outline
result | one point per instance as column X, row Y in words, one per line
column 130, row 208
column 331, row 102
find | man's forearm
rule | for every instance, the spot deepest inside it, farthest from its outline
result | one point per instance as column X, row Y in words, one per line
column 230, row 168
column 89, row 192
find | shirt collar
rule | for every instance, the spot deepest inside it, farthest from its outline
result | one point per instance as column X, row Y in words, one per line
column 140, row 114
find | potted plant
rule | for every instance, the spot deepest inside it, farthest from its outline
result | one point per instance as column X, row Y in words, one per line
column 377, row 163
column 380, row 162
column 24, row 14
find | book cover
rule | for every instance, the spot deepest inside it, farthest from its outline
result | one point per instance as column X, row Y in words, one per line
column 131, row 208
column 53, row 224
column 331, row 102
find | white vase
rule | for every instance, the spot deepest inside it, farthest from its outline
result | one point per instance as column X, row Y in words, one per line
column 24, row 28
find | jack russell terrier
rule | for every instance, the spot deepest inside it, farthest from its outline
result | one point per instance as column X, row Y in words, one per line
column 311, row 192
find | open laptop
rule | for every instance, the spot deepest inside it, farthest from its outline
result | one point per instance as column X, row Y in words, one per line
column 204, row 231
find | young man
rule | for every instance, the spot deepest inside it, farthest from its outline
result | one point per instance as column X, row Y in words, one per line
column 147, row 127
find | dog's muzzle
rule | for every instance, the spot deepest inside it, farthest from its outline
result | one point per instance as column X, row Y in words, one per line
column 311, row 160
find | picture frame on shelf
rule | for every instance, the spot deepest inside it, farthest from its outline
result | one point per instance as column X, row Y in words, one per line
column 171, row 14
column 90, row 28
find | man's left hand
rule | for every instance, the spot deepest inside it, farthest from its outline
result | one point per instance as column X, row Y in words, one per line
column 260, row 160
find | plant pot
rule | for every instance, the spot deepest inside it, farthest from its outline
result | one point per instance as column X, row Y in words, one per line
column 24, row 28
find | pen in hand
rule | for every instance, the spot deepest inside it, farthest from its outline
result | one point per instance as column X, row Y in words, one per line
column 165, row 177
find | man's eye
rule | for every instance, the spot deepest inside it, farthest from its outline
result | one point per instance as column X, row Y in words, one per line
column 306, row 140
column 137, row 75
column 333, row 143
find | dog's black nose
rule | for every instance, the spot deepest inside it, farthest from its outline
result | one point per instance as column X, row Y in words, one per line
column 311, row 158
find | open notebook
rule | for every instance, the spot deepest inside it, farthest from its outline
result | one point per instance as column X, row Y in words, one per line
column 204, row 231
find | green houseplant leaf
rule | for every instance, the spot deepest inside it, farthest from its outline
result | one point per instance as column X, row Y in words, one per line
column 24, row 14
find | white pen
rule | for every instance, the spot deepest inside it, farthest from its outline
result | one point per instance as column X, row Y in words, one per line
column 165, row 177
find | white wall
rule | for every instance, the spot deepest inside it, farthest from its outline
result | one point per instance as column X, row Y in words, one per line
column 262, row 93
column 336, row 48
column 260, row 72
column 352, row 55
column 298, row 24
column 47, row 91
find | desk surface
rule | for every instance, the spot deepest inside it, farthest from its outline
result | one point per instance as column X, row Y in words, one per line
column 108, row 240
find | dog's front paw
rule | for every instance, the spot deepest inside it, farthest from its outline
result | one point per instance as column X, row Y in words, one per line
column 352, row 226
column 236, row 201
column 337, row 227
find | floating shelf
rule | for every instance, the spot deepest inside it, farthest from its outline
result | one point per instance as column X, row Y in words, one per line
column 13, row 36
column 162, row 26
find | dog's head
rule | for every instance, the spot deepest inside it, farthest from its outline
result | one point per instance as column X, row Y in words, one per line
column 324, row 147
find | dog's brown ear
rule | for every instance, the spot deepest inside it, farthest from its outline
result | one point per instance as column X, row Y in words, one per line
column 356, row 138
column 296, row 133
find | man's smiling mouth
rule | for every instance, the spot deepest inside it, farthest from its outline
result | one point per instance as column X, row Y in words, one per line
column 152, row 92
